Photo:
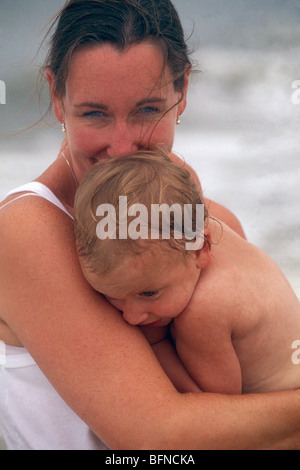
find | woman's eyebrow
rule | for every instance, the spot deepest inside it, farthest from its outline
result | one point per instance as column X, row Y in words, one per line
column 90, row 104
column 151, row 101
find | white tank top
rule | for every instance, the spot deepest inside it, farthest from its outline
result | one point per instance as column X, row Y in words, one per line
column 32, row 415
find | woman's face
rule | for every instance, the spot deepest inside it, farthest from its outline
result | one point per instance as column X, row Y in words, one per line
column 115, row 103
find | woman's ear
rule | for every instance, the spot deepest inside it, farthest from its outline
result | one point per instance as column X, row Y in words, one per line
column 182, row 104
column 56, row 100
column 203, row 256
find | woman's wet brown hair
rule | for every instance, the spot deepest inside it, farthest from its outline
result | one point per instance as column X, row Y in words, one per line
column 120, row 23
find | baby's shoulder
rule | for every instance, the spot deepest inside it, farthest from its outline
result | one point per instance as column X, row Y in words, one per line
column 221, row 300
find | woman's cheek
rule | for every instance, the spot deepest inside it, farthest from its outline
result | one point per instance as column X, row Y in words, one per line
column 86, row 142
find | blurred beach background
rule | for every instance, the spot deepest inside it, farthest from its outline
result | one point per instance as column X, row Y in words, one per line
column 240, row 131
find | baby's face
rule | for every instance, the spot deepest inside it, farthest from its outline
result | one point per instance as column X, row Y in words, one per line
column 151, row 288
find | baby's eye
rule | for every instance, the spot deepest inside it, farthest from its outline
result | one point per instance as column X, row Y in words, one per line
column 149, row 293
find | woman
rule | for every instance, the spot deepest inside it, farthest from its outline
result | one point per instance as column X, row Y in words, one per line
column 118, row 74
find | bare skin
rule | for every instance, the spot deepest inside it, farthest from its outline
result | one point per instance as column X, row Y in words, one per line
column 230, row 340
column 249, row 317
column 47, row 306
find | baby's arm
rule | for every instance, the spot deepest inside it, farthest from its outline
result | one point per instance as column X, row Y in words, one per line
column 204, row 345
column 165, row 351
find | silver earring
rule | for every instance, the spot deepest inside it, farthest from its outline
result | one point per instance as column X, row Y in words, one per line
column 63, row 128
column 178, row 122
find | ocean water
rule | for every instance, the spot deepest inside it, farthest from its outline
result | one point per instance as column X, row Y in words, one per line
column 240, row 132
column 245, row 146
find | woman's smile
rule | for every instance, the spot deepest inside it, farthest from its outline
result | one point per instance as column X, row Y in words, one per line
column 117, row 102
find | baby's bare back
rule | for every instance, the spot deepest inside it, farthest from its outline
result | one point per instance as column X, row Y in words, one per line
column 243, row 323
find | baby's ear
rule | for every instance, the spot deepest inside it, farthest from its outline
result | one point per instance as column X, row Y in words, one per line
column 203, row 256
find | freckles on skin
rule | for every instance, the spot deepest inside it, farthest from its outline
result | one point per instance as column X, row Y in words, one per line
column 117, row 83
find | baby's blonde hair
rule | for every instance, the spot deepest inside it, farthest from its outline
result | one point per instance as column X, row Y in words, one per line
column 147, row 177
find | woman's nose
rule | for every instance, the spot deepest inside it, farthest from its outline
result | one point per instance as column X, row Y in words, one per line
column 124, row 140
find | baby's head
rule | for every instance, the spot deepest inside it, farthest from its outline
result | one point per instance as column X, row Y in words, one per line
column 140, row 230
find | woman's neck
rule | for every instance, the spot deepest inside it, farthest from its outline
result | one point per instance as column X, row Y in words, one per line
column 58, row 178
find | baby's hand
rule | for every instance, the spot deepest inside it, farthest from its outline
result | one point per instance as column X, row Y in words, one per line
column 165, row 351
column 155, row 334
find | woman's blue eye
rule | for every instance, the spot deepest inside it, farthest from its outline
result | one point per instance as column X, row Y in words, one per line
column 148, row 110
column 94, row 114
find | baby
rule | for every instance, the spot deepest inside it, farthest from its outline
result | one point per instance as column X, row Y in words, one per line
column 233, row 316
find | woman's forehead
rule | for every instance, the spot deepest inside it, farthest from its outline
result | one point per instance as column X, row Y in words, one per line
column 140, row 66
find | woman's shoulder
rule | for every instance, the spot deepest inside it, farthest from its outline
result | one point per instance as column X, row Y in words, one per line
column 25, row 220
column 32, row 230
column 31, row 190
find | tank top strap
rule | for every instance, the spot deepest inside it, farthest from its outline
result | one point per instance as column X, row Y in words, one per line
column 38, row 189
column 12, row 357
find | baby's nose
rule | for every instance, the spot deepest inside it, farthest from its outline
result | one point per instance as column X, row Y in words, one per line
column 134, row 316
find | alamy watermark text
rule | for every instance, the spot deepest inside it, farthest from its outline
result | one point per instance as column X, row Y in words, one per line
column 164, row 219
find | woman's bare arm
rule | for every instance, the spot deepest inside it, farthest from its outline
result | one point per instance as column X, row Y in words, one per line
column 105, row 369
